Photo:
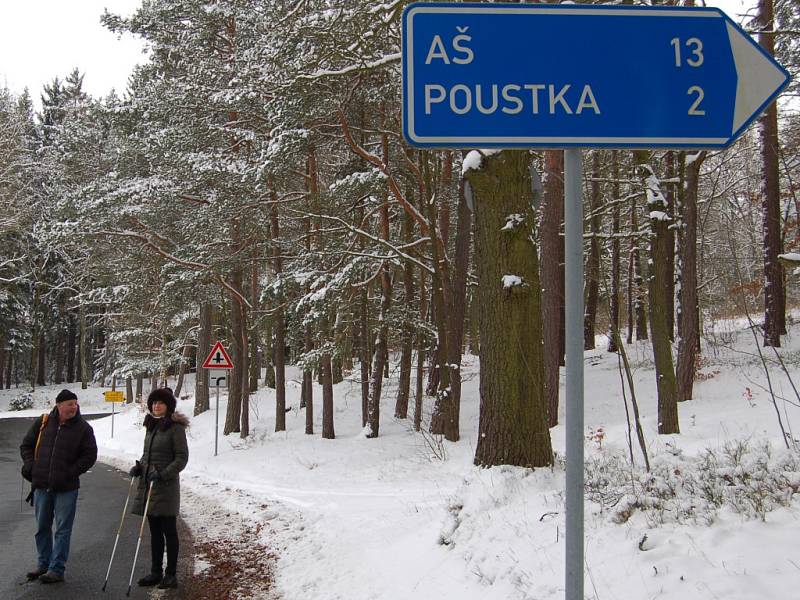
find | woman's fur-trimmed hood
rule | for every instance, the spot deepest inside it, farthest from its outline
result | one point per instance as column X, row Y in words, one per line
column 180, row 418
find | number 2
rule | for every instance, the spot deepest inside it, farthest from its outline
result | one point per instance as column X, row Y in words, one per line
column 694, row 109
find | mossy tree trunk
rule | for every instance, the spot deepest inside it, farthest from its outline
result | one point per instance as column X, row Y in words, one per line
column 513, row 413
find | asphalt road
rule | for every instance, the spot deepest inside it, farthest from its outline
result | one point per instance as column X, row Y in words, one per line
column 100, row 503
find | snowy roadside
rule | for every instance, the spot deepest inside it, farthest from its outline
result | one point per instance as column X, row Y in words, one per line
column 400, row 517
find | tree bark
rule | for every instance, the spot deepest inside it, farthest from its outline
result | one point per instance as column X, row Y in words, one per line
column 774, row 313
column 71, row 335
column 185, row 353
column 233, row 415
column 639, row 308
column 41, row 362
column 513, row 410
column 593, row 262
column 688, row 333
column 552, row 277
column 616, row 266
column 659, row 323
column 255, row 363
column 84, row 366
column 201, row 391
column 279, row 324
column 407, row 333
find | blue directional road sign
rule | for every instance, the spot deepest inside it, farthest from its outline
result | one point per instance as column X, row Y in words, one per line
column 522, row 75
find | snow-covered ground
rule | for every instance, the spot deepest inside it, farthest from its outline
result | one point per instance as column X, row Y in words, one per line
column 403, row 516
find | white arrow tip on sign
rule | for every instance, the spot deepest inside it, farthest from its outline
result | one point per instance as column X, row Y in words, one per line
column 757, row 77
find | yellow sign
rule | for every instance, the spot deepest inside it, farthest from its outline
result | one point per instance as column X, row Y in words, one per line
column 114, row 396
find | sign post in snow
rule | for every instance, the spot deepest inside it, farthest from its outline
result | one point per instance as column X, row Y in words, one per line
column 218, row 362
column 494, row 75
column 579, row 76
column 113, row 396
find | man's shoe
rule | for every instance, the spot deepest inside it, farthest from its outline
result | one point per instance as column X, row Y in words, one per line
column 35, row 574
column 169, row 581
column 150, row 580
column 50, row 577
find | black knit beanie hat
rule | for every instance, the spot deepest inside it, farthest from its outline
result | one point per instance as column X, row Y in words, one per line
column 164, row 395
column 65, row 395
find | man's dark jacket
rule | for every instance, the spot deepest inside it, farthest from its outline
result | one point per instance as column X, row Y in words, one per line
column 65, row 452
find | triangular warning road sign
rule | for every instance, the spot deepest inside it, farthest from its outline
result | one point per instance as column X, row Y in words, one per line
column 218, row 358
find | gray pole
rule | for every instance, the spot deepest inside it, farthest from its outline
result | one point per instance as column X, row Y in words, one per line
column 112, row 419
column 216, row 422
column 573, row 289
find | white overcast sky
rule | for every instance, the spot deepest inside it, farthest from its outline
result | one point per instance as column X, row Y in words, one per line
column 43, row 39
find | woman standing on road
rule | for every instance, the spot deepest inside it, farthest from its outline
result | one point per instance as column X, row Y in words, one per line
column 164, row 456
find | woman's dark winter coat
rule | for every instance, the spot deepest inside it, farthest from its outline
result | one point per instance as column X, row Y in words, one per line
column 66, row 452
column 165, row 449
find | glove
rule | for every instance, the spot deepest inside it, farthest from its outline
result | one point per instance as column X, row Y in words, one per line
column 136, row 470
column 154, row 475
column 27, row 471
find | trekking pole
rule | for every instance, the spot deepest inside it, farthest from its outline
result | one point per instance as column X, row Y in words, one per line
column 139, row 542
column 119, row 530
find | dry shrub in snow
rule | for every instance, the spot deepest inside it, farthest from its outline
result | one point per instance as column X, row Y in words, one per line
column 750, row 480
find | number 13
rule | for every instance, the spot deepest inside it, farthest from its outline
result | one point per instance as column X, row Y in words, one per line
column 696, row 47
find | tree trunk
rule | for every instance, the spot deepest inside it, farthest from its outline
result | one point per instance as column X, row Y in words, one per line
column 3, row 353
column 419, row 387
column 267, row 355
column 616, row 267
column 447, row 353
column 279, row 324
column 687, row 334
column 139, row 386
column 774, row 314
column 363, row 353
column 638, row 281
column 244, row 330
column 593, row 263
column 513, row 409
column 670, row 194
column 60, row 343
column 71, row 335
column 407, row 334
column 552, row 277
column 84, row 366
column 128, row 390
column 233, row 415
column 187, row 351
column 255, row 362
column 659, row 323
column 327, row 398
column 201, row 391
column 8, row 370
column 40, row 365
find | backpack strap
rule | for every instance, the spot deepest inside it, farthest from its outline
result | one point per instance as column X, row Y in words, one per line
column 39, row 438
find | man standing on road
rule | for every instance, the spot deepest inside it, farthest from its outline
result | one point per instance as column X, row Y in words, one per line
column 58, row 448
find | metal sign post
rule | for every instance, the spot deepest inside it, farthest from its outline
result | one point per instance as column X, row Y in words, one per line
column 113, row 397
column 219, row 364
column 573, row 292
